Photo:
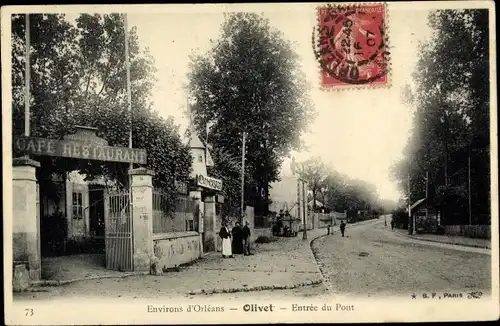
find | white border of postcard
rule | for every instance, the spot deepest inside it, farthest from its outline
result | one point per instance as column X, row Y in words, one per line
column 124, row 311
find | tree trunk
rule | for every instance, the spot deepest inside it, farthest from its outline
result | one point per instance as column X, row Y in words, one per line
column 266, row 197
column 314, row 200
column 446, row 165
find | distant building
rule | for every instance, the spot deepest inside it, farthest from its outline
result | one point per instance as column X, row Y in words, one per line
column 283, row 195
column 426, row 215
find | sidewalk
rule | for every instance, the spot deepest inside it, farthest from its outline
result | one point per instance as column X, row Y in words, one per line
column 454, row 240
column 285, row 263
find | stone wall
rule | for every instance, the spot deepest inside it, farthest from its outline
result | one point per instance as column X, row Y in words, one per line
column 176, row 248
column 260, row 233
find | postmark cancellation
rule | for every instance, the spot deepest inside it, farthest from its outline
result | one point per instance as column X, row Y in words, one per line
column 350, row 43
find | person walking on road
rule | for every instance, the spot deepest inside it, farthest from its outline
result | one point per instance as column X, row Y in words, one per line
column 392, row 224
column 246, row 239
column 342, row 227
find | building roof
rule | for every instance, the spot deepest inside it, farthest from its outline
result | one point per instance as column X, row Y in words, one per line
column 318, row 203
column 417, row 203
column 195, row 142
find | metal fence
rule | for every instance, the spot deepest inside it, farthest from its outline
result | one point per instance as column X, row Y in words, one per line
column 470, row 231
column 180, row 218
column 119, row 233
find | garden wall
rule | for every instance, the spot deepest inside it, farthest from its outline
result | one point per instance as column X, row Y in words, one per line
column 176, row 248
column 470, row 231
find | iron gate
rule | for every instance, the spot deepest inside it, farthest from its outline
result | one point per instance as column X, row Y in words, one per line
column 118, row 233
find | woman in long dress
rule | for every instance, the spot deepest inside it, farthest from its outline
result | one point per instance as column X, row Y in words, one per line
column 237, row 247
column 226, row 241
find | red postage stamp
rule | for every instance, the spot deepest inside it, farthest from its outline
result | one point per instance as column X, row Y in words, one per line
column 352, row 46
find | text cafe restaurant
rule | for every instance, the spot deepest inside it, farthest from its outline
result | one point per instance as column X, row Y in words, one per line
column 72, row 211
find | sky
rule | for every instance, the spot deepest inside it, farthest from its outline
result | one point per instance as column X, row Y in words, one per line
column 360, row 132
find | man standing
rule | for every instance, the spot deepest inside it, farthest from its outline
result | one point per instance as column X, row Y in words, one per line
column 246, row 239
column 342, row 227
column 226, row 241
column 237, row 246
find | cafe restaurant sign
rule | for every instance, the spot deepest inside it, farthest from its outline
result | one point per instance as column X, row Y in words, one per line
column 84, row 144
column 207, row 182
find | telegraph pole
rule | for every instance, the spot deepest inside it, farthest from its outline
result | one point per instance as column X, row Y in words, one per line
column 470, row 199
column 129, row 91
column 304, row 200
column 299, row 204
column 426, row 184
column 243, row 175
column 410, row 224
column 27, row 78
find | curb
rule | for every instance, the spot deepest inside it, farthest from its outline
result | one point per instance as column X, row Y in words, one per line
column 64, row 282
column 255, row 288
column 316, row 260
column 314, row 252
column 266, row 287
column 445, row 242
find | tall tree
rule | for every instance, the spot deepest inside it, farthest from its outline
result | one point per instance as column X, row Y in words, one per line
column 249, row 82
column 451, row 120
column 314, row 172
column 78, row 77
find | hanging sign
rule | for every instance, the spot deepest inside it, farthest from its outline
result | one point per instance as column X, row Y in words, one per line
column 208, row 182
column 84, row 144
column 79, row 149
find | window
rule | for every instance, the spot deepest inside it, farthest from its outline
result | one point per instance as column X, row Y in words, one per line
column 77, row 205
column 200, row 158
column 189, row 225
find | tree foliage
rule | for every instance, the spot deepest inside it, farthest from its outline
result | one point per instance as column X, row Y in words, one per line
column 78, row 77
column 228, row 169
column 249, row 82
column 314, row 172
column 353, row 195
column 338, row 191
column 451, row 119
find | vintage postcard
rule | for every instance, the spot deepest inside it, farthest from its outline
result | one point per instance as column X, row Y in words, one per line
column 250, row 163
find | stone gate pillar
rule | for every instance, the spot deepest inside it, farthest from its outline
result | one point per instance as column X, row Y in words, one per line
column 25, row 219
column 209, row 228
column 142, row 215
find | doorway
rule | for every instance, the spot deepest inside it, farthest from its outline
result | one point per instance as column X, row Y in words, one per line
column 96, row 218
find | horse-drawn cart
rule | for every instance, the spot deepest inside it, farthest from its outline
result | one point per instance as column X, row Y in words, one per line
column 287, row 227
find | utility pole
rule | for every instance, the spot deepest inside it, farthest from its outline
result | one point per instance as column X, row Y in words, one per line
column 410, row 224
column 27, row 78
column 426, row 184
column 304, row 210
column 299, row 204
column 129, row 103
column 129, row 92
column 470, row 199
column 243, row 176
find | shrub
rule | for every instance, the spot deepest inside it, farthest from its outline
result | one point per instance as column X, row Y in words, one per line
column 400, row 217
column 263, row 239
column 54, row 229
